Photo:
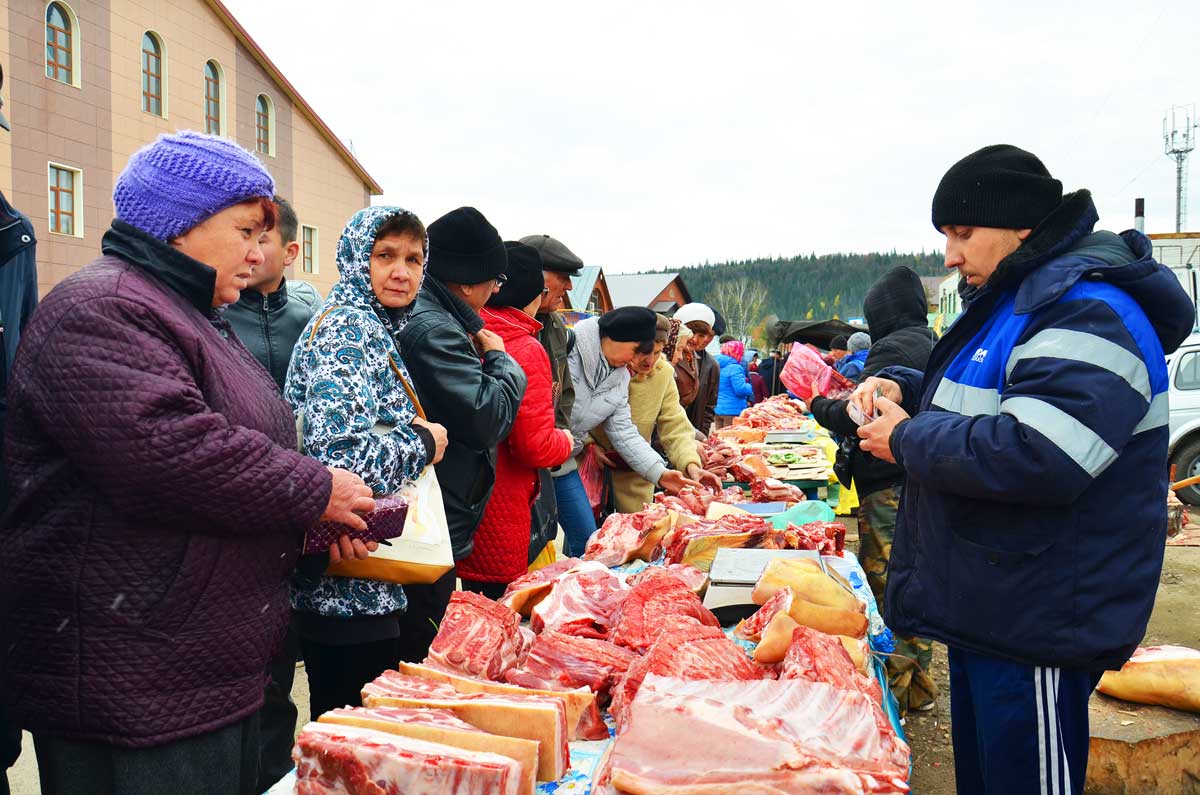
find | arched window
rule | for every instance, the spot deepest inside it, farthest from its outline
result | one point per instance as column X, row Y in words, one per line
column 60, row 44
column 213, row 89
column 152, row 74
column 264, row 125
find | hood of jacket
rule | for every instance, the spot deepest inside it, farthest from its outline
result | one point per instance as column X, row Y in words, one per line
column 353, row 287
column 895, row 301
column 508, row 322
column 1064, row 249
column 724, row 360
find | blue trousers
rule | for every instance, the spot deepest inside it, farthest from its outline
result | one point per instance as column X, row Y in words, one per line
column 1018, row 728
column 574, row 513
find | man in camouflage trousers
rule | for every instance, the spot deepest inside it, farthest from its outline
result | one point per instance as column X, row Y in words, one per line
column 895, row 310
column 908, row 668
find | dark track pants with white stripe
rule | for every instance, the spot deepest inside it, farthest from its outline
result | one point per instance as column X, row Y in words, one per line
column 1018, row 728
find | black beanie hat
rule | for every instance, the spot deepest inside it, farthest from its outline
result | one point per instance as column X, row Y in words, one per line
column 719, row 324
column 999, row 186
column 464, row 248
column 629, row 324
column 839, row 343
column 525, row 279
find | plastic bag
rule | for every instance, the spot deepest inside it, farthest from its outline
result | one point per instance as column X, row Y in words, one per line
column 591, row 472
column 805, row 366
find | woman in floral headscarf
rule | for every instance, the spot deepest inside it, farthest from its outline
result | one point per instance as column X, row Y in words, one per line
column 735, row 388
column 347, row 384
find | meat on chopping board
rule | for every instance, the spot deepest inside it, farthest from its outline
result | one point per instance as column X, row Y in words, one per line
column 477, row 637
column 793, row 736
column 650, row 603
column 345, row 760
column 442, row 726
column 583, row 601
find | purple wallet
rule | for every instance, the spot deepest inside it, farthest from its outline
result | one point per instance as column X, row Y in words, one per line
column 384, row 522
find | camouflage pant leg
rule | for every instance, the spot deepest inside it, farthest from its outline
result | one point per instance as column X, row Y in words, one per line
column 908, row 670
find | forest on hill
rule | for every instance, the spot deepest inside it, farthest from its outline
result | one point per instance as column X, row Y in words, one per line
column 805, row 286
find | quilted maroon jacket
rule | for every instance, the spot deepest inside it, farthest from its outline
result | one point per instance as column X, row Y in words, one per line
column 158, row 507
column 501, row 551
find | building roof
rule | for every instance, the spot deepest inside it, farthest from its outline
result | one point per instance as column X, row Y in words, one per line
column 636, row 289
column 582, row 284
column 298, row 101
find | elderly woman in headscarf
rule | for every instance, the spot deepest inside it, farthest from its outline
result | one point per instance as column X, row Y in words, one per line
column 159, row 503
column 654, row 407
column 351, row 392
column 696, row 374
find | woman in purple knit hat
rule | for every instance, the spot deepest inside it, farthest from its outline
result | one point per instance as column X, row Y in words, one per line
column 158, row 501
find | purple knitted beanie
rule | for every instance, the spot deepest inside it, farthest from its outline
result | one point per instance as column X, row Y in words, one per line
column 173, row 184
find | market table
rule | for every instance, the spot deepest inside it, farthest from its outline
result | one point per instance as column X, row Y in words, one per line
column 586, row 755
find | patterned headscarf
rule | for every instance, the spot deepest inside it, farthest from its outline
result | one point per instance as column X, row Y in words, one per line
column 735, row 349
column 672, row 339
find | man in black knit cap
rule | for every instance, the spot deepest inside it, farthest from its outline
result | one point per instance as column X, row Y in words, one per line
column 467, row 383
column 1032, row 520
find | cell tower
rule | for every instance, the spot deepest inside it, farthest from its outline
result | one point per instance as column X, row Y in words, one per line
column 1179, row 139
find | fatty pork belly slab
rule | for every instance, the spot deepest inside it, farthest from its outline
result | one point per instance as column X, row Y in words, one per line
column 625, row 536
column 791, row 737
column 349, row 760
column 584, row 601
column 477, row 637
column 523, row 593
column 685, row 650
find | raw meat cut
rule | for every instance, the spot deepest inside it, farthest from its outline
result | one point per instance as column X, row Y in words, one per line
column 696, row 502
column 691, row 576
column 819, row 657
column 649, row 606
column 697, row 541
column 582, row 602
column 808, row 580
column 778, row 737
column 779, row 413
column 773, row 490
column 829, row 538
column 477, row 637
column 539, row 718
column 559, row 661
column 1165, row 675
column 686, row 651
column 580, row 703
column 718, row 454
column 526, row 591
column 441, row 726
column 752, row 628
column 348, row 760
column 626, row 536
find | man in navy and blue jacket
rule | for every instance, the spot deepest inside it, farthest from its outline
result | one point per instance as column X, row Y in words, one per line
column 1033, row 519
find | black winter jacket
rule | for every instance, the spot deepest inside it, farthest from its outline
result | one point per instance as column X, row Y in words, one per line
column 269, row 325
column 895, row 312
column 18, row 298
column 476, row 401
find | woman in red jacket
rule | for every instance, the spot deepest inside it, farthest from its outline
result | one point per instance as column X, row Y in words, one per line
column 501, row 551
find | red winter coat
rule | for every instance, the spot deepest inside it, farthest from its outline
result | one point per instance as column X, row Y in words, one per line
column 501, row 551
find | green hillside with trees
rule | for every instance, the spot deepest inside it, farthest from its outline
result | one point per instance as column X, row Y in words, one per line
column 795, row 288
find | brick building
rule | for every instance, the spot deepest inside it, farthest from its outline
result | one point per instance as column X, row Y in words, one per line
column 89, row 83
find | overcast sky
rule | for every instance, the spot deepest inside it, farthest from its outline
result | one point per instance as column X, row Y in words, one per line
column 657, row 134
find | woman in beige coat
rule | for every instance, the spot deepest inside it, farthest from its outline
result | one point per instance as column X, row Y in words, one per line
column 654, row 406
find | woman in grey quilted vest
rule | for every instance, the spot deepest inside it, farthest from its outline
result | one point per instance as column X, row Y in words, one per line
column 159, row 503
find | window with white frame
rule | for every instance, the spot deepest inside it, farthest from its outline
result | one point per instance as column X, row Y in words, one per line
column 62, row 44
column 308, row 249
column 65, row 194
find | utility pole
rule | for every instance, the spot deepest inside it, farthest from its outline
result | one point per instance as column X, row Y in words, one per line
column 1179, row 139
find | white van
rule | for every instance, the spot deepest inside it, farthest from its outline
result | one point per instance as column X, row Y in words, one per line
column 1183, row 369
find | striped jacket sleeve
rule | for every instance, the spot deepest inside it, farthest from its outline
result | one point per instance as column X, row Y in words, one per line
column 1079, row 384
